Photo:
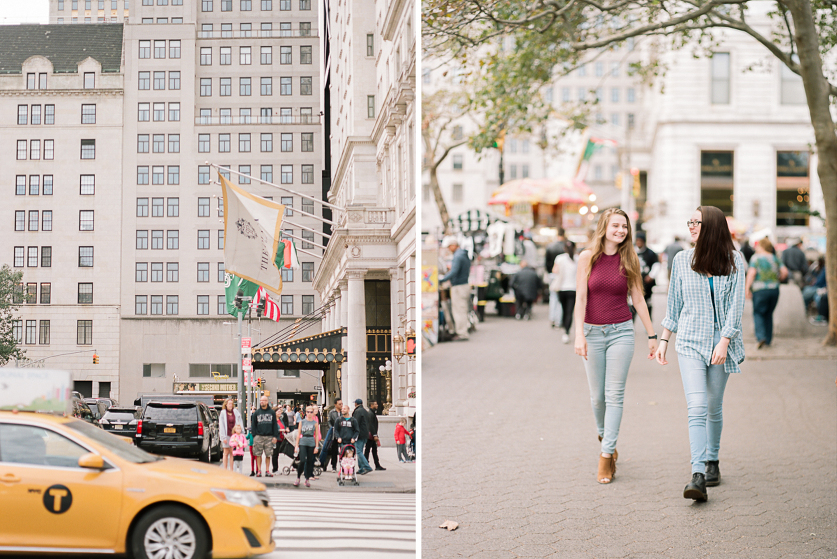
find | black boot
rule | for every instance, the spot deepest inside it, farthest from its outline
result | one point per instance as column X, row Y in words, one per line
column 713, row 473
column 696, row 489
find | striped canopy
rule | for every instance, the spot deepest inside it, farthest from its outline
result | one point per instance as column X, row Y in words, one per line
column 473, row 220
column 541, row 191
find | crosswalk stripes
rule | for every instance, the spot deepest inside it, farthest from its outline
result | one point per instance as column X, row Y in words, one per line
column 320, row 524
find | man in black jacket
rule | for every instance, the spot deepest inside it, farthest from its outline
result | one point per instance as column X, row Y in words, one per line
column 330, row 445
column 363, row 434
column 265, row 433
column 372, row 441
column 346, row 429
column 526, row 284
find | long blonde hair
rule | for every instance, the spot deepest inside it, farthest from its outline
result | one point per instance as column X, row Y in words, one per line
column 629, row 261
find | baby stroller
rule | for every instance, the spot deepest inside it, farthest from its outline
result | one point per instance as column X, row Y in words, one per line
column 287, row 449
column 348, row 477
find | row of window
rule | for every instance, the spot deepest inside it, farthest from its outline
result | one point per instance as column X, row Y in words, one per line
column 33, row 333
column 33, row 149
column 158, row 174
column 172, row 272
column 244, row 142
column 45, row 220
column 28, row 294
column 244, row 5
column 245, row 86
column 245, row 54
column 172, row 239
column 245, row 116
column 246, row 30
column 39, row 80
column 39, row 184
column 287, row 174
column 141, row 305
column 160, row 49
column 28, row 256
column 598, row 94
column 47, row 117
column 101, row 4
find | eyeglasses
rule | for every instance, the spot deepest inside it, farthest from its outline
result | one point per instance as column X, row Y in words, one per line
column 692, row 224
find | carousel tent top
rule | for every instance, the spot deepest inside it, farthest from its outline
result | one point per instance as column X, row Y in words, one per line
column 541, row 191
column 473, row 220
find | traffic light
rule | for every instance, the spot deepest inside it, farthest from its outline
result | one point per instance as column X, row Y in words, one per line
column 500, row 140
column 260, row 307
column 635, row 173
column 618, row 181
column 239, row 298
column 95, row 359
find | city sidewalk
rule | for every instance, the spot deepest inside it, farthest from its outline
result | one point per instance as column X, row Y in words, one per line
column 512, row 455
column 397, row 478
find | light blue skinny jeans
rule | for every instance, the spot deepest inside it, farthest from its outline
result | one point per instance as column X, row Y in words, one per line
column 704, row 386
column 610, row 348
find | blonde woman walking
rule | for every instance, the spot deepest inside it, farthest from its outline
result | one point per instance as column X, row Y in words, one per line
column 227, row 420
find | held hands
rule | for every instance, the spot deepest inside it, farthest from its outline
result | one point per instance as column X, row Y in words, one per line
column 748, row 294
column 581, row 346
column 719, row 354
column 661, row 353
column 652, row 348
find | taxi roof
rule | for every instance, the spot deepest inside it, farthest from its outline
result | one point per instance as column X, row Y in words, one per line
column 42, row 417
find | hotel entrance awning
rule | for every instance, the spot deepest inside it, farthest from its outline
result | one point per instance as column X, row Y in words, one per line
column 311, row 352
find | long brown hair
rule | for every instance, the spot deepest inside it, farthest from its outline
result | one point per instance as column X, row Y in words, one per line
column 714, row 252
column 628, row 260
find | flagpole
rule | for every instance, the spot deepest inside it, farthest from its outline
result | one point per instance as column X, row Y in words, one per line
column 324, row 220
column 289, row 222
column 332, row 206
column 309, row 241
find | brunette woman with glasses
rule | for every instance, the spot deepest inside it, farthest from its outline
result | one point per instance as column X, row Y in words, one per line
column 306, row 446
column 705, row 304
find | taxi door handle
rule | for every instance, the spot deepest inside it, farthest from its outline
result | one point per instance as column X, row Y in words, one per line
column 9, row 478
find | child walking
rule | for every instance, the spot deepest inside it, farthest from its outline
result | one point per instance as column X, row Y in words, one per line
column 401, row 440
column 254, row 463
column 237, row 444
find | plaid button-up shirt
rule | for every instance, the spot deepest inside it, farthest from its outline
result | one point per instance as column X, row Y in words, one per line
column 689, row 310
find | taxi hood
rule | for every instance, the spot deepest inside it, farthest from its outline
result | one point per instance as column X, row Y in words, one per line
column 199, row 473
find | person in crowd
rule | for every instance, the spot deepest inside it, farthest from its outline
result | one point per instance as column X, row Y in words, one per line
column 816, row 283
column 329, row 451
column 671, row 251
column 554, row 248
column 265, row 433
column 362, row 418
column 346, row 430
column 747, row 250
column 705, row 304
column 372, row 443
column 401, row 440
column 460, row 290
column 649, row 264
column 227, row 420
column 306, row 446
column 290, row 422
column 282, row 432
column 606, row 275
column 254, row 464
column 564, row 272
column 348, row 464
column 763, row 278
column 526, row 285
column 796, row 262
column 413, row 434
column 237, row 444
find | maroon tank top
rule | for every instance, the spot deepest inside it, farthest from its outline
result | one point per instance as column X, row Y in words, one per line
column 607, row 292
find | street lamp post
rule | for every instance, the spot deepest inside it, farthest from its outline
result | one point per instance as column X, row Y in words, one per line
column 240, row 299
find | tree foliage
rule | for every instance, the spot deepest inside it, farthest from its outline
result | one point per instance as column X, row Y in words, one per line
column 10, row 296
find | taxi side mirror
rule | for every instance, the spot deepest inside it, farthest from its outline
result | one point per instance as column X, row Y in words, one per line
column 92, row 461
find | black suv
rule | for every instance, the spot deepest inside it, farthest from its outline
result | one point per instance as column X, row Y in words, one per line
column 121, row 421
column 178, row 429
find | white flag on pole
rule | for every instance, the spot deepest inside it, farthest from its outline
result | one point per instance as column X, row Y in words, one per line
column 252, row 226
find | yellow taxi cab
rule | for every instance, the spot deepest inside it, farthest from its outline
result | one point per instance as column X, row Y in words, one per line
column 66, row 486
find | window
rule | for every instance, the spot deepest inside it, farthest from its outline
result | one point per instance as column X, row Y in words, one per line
column 285, row 57
column 305, row 55
column 46, row 257
column 172, row 272
column 49, row 114
column 458, row 195
column 286, row 86
column 156, row 304
column 288, row 202
column 20, row 185
column 284, row 5
column 19, row 257
column 720, row 78
column 307, row 206
column 174, row 115
column 157, row 209
column 47, row 185
column 35, row 149
column 246, row 28
column 159, row 112
column 614, row 94
column 305, row 29
column 140, row 304
column 34, row 185
column 203, row 240
column 267, row 5
column 307, row 272
column 89, row 80
column 226, row 87
column 31, row 330
column 88, row 149
column 599, row 69
column 246, row 5
column 49, row 150
column 304, row 4
column 267, row 142
column 267, row 173
column 226, row 116
column 223, row 143
column 370, row 44
column 30, row 81
column 309, row 237
column 20, row 220
column 220, row 239
column 85, row 294
column 307, row 141
column 792, row 188
column 142, row 175
column 206, row 56
column 716, row 180
column 173, row 207
column 159, row 49
column 174, row 80
column 267, row 55
column 287, row 275
column 244, row 144
column 174, row 143
column 85, row 257
column 226, row 5
column 17, row 329
column 206, row 5
column 631, row 95
column 156, row 243
column 244, row 177
column 287, row 305
column 84, row 329
column 614, row 119
column 159, row 144
column 174, row 49
column 32, row 257
column 203, row 271
column 226, row 30
column 305, row 86
column 21, row 149
column 370, row 106
column 203, row 207
column 307, row 174
column 244, row 56
column 226, row 56
column 172, row 301
column 22, row 114
column 266, row 86
column 244, row 90
column 144, row 80
column 287, row 174
column 203, row 174
column 203, row 143
column 457, row 162
column 206, row 87
column 31, row 299
column 203, row 304
column 33, row 220
column 43, row 337
column 142, row 240
column 306, row 115
column 85, row 220
column 46, row 220
column 159, row 80
column 144, row 112
column 793, row 92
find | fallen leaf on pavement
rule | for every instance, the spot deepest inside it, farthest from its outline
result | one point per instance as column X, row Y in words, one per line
column 450, row 525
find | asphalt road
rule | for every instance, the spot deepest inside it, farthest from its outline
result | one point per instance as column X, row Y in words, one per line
column 510, row 452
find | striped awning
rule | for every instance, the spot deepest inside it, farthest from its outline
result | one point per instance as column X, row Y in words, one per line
column 473, row 220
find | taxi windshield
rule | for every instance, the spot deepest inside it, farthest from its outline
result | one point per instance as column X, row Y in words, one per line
column 115, row 444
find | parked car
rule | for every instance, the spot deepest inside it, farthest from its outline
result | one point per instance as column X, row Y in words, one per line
column 179, row 429
column 83, row 411
column 121, row 421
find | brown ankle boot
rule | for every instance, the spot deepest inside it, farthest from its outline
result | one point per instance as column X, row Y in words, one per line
column 615, row 452
column 607, row 469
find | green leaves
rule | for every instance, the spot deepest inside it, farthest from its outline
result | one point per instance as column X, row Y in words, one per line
column 10, row 282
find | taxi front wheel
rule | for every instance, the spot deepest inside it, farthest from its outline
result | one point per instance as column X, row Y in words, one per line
column 169, row 532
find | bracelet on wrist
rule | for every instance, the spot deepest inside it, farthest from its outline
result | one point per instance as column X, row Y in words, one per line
column 654, row 337
column 664, row 340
